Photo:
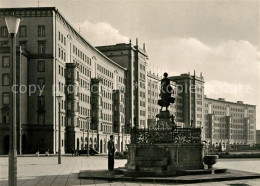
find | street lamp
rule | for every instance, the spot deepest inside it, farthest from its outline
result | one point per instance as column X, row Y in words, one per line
column 123, row 128
column 88, row 124
column 12, row 24
column 59, row 98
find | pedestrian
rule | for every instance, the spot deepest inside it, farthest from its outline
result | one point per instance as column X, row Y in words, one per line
column 111, row 151
column 72, row 152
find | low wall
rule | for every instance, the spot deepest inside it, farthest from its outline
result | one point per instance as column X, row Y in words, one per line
column 178, row 156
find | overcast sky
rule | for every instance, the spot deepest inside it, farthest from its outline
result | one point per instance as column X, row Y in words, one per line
column 219, row 38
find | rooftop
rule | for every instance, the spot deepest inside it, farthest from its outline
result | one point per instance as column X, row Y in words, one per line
column 16, row 11
column 223, row 100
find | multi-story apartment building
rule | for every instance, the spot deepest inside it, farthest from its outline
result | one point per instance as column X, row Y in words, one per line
column 189, row 93
column 229, row 123
column 153, row 91
column 58, row 58
column 105, row 90
column 134, row 59
column 22, row 106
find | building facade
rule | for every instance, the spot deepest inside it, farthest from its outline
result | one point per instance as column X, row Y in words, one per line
column 228, row 123
column 105, row 90
column 153, row 91
column 189, row 103
column 134, row 59
column 60, row 62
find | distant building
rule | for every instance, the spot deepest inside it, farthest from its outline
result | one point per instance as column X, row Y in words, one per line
column 229, row 123
column 153, row 91
column 189, row 104
column 133, row 58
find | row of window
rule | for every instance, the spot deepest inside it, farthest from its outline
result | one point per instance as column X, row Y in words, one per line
column 84, row 111
column 23, row 44
column 142, row 103
column 61, row 70
column 142, row 76
column 142, row 113
column 83, row 69
column 62, row 54
column 142, row 67
column 22, row 31
column 6, row 64
column 81, row 55
column 199, row 96
column 5, row 61
column 142, row 94
column 107, row 117
column 5, row 79
column 62, row 38
column 153, row 93
column 83, row 83
column 152, row 109
column 142, row 84
column 107, row 106
column 153, row 101
column 153, row 85
column 106, row 128
column 106, row 72
column 106, row 82
column 84, row 98
column 142, row 122
column 106, row 94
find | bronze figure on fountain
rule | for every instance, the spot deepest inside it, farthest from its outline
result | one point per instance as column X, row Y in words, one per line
column 165, row 118
column 165, row 93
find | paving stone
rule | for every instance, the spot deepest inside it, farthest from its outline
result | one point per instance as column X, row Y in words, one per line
column 44, row 171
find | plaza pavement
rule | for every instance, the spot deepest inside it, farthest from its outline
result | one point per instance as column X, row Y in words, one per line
column 44, row 171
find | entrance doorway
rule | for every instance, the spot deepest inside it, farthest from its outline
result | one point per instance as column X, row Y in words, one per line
column 101, row 146
column 6, row 144
column 77, row 143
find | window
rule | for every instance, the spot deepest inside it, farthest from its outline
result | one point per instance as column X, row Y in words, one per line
column 3, row 31
column 23, row 44
column 6, row 61
column 6, row 79
column 41, row 101
column 41, row 82
column 22, row 31
column 6, row 98
column 5, row 116
column 41, row 47
column 41, row 118
column 41, row 66
column 3, row 43
column 41, row 30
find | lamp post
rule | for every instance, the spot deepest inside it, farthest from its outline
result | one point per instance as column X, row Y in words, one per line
column 12, row 24
column 88, row 136
column 123, row 128
column 20, row 105
column 59, row 142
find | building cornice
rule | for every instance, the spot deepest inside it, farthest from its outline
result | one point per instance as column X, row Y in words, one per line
column 14, row 11
column 229, row 102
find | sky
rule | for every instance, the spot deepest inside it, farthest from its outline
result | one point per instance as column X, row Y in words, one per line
column 219, row 38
